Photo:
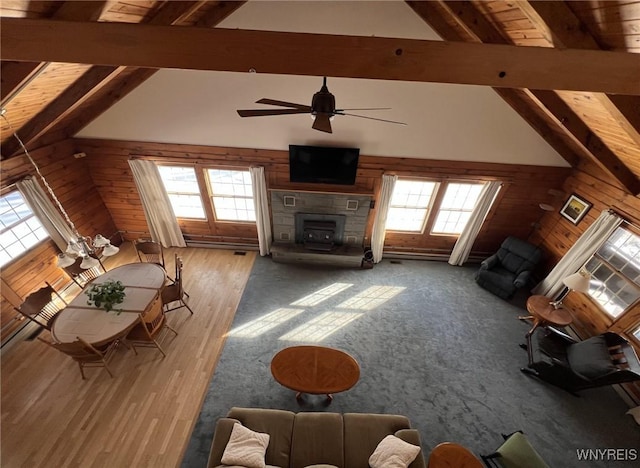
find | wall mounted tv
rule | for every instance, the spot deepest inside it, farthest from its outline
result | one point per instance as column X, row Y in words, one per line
column 323, row 164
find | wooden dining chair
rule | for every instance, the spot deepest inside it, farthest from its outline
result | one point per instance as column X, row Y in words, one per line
column 149, row 251
column 80, row 276
column 151, row 325
column 40, row 306
column 85, row 354
column 175, row 292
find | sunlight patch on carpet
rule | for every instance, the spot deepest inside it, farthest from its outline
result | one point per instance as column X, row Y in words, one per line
column 265, row 323
column 321, row 295
column 321, row 327
column 371, row 297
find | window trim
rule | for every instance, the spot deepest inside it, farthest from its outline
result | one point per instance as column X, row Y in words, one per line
column 199, row 192
column 619, row 274
column 436, row 200
column 7, row 191
column 211, row 195
column 427, row 218
column 629, row 333
column 446, row 185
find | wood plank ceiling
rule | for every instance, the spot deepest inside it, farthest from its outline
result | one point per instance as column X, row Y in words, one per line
column 51, row 101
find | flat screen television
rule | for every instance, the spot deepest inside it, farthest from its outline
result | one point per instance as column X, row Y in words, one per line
column 323, row 164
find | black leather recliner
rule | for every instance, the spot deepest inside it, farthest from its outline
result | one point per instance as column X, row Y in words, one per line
column 509, row 268
column 604, row 359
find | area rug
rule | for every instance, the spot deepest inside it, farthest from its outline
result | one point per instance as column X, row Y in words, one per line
column 431, row 345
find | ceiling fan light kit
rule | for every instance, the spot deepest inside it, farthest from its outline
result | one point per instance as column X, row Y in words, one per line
column 322, row 109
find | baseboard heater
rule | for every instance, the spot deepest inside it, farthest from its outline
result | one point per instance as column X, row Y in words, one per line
column 221, row 245
column 441, row 257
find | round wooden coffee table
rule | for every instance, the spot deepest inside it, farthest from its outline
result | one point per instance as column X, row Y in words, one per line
column 316, row 370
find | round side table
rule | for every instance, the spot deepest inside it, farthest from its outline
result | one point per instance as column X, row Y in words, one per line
column 543, row 314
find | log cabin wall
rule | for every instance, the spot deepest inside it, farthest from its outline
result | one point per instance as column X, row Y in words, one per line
column 514, row 212
column 69, row 177
column 557, row 235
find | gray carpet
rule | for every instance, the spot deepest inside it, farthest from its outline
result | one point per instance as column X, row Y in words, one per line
column 442, row 351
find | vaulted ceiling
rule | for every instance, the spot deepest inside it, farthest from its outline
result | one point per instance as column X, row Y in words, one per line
column 570, row 69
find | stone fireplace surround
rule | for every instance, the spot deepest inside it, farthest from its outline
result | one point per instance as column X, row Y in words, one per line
column 349, row 211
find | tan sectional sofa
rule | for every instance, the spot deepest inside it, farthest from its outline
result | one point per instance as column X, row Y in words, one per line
column 298, row 440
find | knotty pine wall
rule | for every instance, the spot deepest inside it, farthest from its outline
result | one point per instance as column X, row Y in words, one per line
column 513, row 214
column 558, row 234
column 72, row 184
column 99, row 193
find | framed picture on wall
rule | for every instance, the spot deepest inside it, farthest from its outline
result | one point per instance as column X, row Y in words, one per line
column 575, row 208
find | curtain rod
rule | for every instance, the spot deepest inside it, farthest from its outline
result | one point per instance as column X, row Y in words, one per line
column 625, row 216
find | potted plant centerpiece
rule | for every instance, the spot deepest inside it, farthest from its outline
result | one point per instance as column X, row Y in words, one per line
column 106, row 295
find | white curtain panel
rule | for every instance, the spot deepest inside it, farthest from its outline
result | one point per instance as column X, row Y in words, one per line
column 48, row 215
column 161, row 219
column 462, row 249
column 261, row 204
column 579, row 253
column 380, row 221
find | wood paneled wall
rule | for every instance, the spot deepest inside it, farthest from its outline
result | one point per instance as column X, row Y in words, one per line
column 558, row 234
column 513, row 214
column 71, row 182
column 515, row 211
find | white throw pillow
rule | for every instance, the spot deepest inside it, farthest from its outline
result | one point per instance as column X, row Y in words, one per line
column 245, row 448
column 393, row 452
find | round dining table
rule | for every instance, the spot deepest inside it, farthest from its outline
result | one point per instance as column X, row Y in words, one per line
column 143, row 283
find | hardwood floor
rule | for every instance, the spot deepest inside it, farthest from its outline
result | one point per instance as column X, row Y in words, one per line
column 144, row 415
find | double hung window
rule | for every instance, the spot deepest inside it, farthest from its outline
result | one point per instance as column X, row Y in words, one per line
column 410, row 205
column 456, row 207
column 615, row 270
column 232, row 195
column 182, row 187
column 412, row 202
column 19, row 228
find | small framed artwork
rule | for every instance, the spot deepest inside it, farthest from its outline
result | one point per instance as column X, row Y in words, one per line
column 575, row 208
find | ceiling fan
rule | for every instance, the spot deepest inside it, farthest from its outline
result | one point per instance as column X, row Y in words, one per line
column 322, row 108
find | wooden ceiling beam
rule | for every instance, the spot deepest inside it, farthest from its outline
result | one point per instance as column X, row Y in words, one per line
column 174, row 12
column 563, row 28
column 219, row 12
column 116, row 86
column 109, row 94
column 521, row 102
column 434, row 14
column 64, row 104
column 628, row 107
column 15, row 76
column 82, row 10
column 151, row 46
column 606, row 159
column 478, row 28
column 92, row 80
